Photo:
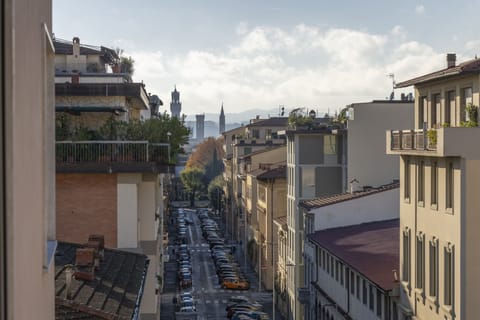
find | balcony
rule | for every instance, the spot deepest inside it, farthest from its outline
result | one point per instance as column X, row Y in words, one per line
column 112, row 156
column 442, row 142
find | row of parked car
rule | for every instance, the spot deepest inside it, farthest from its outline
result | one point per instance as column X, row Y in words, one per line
column 184, row 265
column 185, row 302
column 230, row 276
column 242, row 308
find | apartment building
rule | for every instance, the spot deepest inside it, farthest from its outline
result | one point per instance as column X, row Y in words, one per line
column 27, row 196
column 114, row 188
column 353, row 272
column 260, row 134
column 280, row 298
column 316, row 166
column 339, row 212
column 439, row 176
column 270, row 189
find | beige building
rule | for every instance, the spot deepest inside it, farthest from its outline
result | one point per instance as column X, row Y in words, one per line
column 309, row 175
column 368, row 164
column 260, row 134
column 439, row 205
column 27, row 197
column 270, row 203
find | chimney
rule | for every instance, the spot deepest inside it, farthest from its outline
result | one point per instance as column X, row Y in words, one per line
column 101, row 239
column 451, row 59
column 354, row 187
column 85, row 264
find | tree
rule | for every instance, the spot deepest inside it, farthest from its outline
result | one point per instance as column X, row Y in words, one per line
column 192, row 179
column 208, row 156
column 215, row 192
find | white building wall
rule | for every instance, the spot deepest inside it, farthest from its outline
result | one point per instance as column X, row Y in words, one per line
column 376, row 207
column 146, row 211
column 367, row 161
column 127, row 229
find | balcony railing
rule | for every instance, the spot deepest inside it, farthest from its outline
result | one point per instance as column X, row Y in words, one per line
column 413, row 140
column 107, row 152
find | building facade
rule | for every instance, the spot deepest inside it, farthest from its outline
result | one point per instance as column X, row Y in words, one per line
column 27, row 196
column 309, row 175
column 440, row 174
column 368, row 164
column 200, row 126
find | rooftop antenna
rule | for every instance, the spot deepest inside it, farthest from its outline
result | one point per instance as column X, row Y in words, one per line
column 392, row 76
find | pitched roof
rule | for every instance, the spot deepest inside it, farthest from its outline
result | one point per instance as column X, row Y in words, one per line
column 336, row 198
column 468, row 67
column 370, row 248
column 274, row 173
column 114, row 294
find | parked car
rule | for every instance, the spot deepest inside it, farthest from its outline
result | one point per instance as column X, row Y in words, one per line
column 235, row 284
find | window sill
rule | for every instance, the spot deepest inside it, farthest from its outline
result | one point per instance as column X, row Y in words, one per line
column 406, row 200
column 434, row 207
column 421, row 204
column 50, row 249
column 449, row 211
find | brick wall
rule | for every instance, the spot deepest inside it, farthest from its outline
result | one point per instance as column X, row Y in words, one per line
column 86, row 204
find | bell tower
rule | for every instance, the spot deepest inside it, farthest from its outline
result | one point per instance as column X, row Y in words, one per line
column 175, row 105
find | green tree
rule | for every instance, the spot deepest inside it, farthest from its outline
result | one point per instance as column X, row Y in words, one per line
column 192, row 179
column 215, row 192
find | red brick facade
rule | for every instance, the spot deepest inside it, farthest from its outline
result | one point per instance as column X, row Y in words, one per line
column 86, row 204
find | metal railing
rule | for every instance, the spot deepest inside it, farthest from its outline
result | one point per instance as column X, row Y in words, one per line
column 78, row 152
column 413, row 140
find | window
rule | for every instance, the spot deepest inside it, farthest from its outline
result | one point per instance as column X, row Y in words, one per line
column 358, row 287
column 448, row 277
column 421, row 182
column 421, row 111
column 341, row 273
column 332, row 269
column 329, row 144
column 379, row 303
column 406, row 180
column 433, row 268
column 371, row 301
column 450, row 107
column 364, row 292
column 434, row 183
column 328, row 263
column 352, row 282
column 323, row 260
column 449, row 186
column 337, row 270
column 434, row 108
column 406, row 256
column 420, row 263
column 466, row 99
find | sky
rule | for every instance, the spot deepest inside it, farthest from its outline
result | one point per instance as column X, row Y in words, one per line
column 262, row 54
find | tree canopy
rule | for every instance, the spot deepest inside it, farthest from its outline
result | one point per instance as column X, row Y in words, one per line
column 192, row 179
column 208, row 156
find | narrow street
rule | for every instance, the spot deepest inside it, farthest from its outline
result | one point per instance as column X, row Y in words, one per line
column 210, row 299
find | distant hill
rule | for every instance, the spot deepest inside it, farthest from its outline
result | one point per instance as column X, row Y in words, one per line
column 238, row 118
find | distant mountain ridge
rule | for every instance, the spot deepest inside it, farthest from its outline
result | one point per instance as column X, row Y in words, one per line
column 239, row 118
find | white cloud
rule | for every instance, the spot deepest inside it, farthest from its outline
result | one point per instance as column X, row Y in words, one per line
column 301, row 67
column 420, row 9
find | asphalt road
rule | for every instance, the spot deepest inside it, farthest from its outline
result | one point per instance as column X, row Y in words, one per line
column 209, row 297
